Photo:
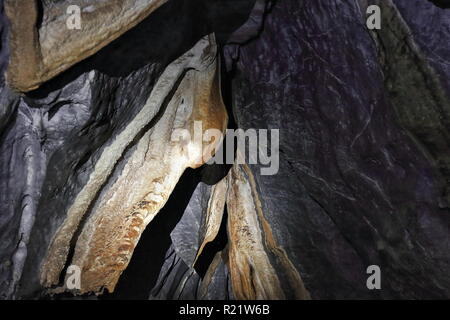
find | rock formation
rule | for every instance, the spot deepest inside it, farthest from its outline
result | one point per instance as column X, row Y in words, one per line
column 105, row 162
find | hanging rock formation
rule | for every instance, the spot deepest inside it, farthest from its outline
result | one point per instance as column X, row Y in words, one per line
column 97, row 169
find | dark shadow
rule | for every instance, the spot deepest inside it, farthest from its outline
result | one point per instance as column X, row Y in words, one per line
column 40, row 13
column 143, row 270
column 444, row 4
column 211, row 248
column 166, row 34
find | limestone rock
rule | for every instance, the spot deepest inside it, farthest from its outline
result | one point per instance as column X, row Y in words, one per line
column 89, row 174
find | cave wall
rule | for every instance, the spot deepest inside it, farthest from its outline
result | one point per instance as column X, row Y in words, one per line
column 354, row 187
column 54, row 135
column 363, row 176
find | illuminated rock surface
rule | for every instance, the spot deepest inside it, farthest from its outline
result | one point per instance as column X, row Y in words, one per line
column 89, row 175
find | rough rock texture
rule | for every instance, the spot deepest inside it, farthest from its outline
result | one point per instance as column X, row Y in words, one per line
column 259, row 267
column 363, row 176
column 250, row 265
column 55, row 135
column 355, row 188
column 178, row 279
column 42, row 45
column 121, row 199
